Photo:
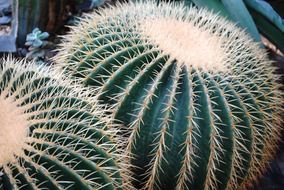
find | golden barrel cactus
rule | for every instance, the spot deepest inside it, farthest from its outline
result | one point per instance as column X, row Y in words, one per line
column 199, row 99
column 51, row 137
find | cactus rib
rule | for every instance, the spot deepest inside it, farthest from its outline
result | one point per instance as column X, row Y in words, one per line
column 199, row 98
column 51, row 136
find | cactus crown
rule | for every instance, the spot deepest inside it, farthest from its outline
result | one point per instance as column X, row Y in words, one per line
column 197, row 38
column 202, row 98
column 13, row 132
column 51, row 137
column 176, row 37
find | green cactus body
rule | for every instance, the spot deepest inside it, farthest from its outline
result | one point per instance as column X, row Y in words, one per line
column 50, row 136
column 198, row 96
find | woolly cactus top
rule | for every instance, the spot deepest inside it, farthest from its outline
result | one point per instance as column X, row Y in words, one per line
column 11, row 141
column 201, row 98
column 176, row 37
column 196, row 38
column 51, row 137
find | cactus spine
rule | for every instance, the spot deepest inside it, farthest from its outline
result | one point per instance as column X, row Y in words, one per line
column 50, row 136
column 199, row 97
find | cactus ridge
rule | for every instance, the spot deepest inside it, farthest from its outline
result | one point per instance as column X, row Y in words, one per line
column 192, row 123
column 51, row 136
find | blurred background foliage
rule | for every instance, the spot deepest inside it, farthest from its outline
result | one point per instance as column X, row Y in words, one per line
column 259, row 18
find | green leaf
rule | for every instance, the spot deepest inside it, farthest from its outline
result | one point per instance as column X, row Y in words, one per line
column 37, row 43
column 268, row 29
column 240, row 14
column 265, row 9
column 270, row 24
column 186, row 2
column 43, row 35
column 214, row 5
column 233, row 10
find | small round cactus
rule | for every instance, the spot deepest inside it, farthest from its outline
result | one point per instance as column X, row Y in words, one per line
column 50, row 136
column 199, row 98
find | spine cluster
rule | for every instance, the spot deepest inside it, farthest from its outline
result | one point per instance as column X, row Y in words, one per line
column 197, row 116
column 51, row 136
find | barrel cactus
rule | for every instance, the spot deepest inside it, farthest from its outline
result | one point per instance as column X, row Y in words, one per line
column 199, row 98
column 50, row 136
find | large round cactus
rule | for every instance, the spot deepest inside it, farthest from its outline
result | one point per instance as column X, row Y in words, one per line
column 50, row 136
column 199, row 98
